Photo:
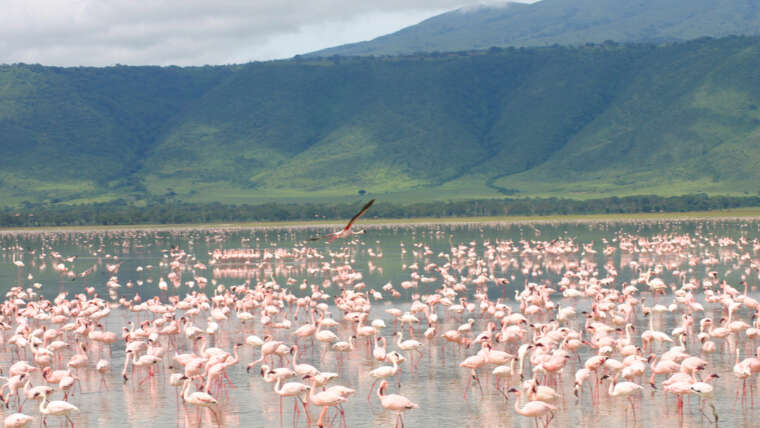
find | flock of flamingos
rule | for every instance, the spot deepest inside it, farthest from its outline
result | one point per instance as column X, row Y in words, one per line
column 488, row 309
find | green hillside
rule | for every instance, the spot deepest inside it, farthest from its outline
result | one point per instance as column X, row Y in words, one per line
column 584, row 122
column 81, row 131
column 565, row 22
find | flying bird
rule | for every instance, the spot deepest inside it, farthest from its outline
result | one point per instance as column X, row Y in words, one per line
column 346, row 231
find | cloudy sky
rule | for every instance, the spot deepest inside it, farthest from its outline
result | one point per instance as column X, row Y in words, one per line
column 197, row 32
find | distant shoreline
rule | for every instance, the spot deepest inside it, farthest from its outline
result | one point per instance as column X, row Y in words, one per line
column 752, row 214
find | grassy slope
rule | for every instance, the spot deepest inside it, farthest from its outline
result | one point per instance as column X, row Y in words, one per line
column 673, row 129
column 589, row 121
column 76, row 132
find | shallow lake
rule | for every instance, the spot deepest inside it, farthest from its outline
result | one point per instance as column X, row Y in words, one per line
column 120, row 265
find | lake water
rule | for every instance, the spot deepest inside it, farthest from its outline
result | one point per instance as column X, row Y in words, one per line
column 385, row 254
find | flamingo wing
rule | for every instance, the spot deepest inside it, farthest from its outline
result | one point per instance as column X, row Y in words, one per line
column 56, row 407
column 203, row 398
column 359, row 214
column 317, row 238
column 335, row 235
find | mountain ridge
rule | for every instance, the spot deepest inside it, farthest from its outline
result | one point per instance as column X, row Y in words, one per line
column 590, row 121
column 565, row 22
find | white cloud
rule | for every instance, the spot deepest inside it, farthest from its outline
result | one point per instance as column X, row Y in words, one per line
column 195, row 32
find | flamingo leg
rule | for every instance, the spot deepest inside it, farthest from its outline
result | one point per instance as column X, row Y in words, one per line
column 371, row 388
column 306, row 411
column 467, row 387
column 474, row 376
column 633, row 407
column 295, row 411
column 216, row 417
column 501, row 390
column 320, row 422
column 229, row 380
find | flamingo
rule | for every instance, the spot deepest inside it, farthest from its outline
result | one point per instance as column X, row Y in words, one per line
column 395, row 403
column 302, row 369
column 624, row 389
column 473, row 363
column 705, row 391
column 17, row 420
column 378, row 352
column 269, row 347
column 534, row 409
column 198, row 398
column 295, row 390
column 409, row 346
column 383, row 372
column 56, row 408
column 342, row 347
column 102, row 367
column 346, row 231
column 325, row 400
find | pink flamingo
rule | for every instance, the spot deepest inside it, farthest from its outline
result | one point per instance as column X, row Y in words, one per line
column 325, row 400
column 395, row 403
column 346, row 231
column 473, row 363
column 534, row 409
column 199, row 398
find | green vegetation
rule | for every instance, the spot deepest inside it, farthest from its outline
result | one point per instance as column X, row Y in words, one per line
column 566, row 22
column 120, row 213
column 582, row 122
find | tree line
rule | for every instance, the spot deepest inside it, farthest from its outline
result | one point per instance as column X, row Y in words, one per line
column 120, row 212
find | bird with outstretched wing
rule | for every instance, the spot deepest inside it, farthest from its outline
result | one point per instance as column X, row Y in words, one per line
column 346, row 231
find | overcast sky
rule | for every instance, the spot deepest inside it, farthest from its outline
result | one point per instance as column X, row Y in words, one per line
column 197, row 32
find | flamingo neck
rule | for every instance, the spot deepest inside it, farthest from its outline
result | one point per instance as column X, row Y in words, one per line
column 319, row 324
column 235, row 357
column 184, row 389
column 518, row 410
column 313, row 387
column 44, row 405
column 295, row 357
